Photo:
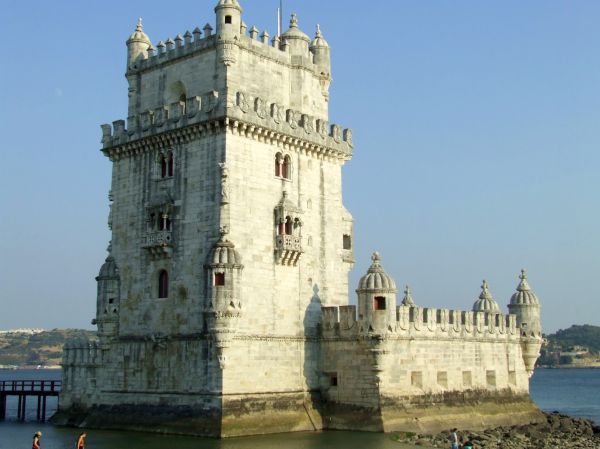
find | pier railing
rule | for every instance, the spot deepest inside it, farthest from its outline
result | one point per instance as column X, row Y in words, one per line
column 39, row 389
column 30, row 387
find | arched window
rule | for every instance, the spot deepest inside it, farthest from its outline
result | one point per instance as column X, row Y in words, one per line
column 163, row 167
column 281, row 229
column 170, row 164
column 163, row 284
column 289, row 226
column 278, row 160
column 286, row 167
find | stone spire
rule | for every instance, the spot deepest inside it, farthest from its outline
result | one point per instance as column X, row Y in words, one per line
column 486, row 303
column 407, row 300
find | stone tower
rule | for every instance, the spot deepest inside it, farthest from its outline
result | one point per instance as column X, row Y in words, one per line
column 222, row 306
column 228, row 229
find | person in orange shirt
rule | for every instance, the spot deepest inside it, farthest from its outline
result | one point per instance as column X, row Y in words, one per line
column 36, row 441
column 81, row 440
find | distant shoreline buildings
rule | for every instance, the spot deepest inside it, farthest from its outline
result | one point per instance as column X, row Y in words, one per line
column 23, row 331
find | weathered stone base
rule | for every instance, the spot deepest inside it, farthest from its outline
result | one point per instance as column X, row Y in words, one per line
column 244, row 415
column 474, row 409
column 180, row 420
column 241, row 416
column 275, row 413
column 434, row 413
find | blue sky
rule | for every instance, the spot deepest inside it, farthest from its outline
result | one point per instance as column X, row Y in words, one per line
column 476, row 144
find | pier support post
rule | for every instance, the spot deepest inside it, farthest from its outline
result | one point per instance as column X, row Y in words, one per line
column 24, row 408
column 2, row 408
column 19, row 406
column 39, row 406
column 44, row 409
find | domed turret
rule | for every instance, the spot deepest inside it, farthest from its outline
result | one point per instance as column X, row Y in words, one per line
column 229, row 18
column 486, row 303
column 224, row 255
column 376, row 298
column 108, row 299
column 137, row 46
column 524, row 294
column 109, row 269
column 224, row 307
column 297, row 41
column 320, row 48
column 526, row 306
column 376, row 278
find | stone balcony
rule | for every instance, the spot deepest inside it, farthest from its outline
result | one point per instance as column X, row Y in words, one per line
column 288, row 249
column 158, row 243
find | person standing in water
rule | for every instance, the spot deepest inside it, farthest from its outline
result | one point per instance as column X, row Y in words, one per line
column 81, row 440
column 36, row 440
column 454, row 438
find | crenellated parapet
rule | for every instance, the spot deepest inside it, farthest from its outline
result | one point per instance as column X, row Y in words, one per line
column 422, row 322
column 82, row 353
column 252, row 116
column 313, row 57
column 277, row 117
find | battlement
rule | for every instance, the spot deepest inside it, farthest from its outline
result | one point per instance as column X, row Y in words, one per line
column 82, row 353
column 247, row 114
column 420, row 322
column 197, row 41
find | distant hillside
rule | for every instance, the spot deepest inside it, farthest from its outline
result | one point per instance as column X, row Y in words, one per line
column 577, row 346
column 43, row 348
column 586, row 335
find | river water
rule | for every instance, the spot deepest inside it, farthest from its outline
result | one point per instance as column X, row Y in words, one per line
column 574, row 392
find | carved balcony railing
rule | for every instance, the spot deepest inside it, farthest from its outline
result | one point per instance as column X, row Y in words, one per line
column 288, row 249
column 159, row 243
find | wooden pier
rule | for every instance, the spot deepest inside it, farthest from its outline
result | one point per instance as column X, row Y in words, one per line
column 36, row 389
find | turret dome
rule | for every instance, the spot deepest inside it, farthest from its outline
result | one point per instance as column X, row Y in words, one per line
column 109, row 269
column 224, row 254
column 376, row 278
column 319, row 41
column 294, row 32
column 486, row 303
column 524, row 294
column 138, row 35
column 228, row 4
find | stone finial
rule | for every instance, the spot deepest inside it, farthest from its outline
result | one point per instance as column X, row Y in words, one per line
column 178, row 40
column 139, row 26
column 253, row 32
column 161, row 47
column 170, row 44
column 276, row 41
column 376, row 258
column 197, row 34
column 294, row 20
column 318, row 33
column 208, row 30
column 187, row 37
column 243, row 28
column 265, row 37
column 523, row 285
column 407, row 300
column 485, row 292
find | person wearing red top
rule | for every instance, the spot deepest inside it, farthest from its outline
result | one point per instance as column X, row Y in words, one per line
column 36, row 441
column 81, row 441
